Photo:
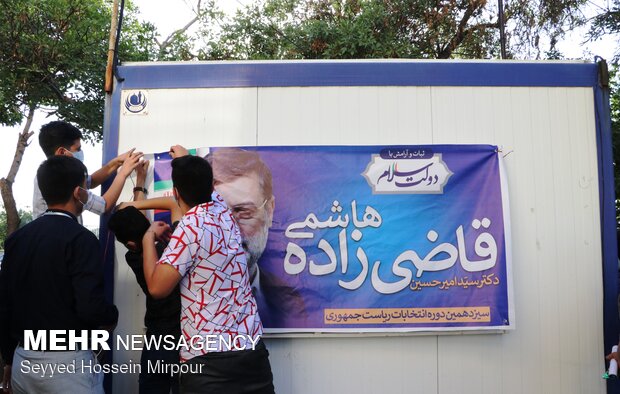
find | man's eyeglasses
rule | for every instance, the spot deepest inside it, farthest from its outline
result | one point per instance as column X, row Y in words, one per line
column 247, row 211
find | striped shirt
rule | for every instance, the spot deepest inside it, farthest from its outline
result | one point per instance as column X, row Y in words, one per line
column 216, row 296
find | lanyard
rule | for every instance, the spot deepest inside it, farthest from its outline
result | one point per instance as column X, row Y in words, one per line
column 58, row 214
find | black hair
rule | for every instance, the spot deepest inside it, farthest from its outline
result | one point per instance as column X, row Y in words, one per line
column 57, row 134
column 193, row 178
column 128, row 224
column 58, row 176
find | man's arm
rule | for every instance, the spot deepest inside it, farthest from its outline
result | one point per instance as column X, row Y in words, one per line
column 100, row 176
column 161, row 279
column 139, row 192
column 163, row 203
column 614, row 356
column 114, row 191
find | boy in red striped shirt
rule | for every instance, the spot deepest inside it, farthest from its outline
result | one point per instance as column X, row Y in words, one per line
column 219, row 317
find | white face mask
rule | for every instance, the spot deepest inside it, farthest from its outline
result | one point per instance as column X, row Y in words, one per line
column 79, row 155
column 89, row 201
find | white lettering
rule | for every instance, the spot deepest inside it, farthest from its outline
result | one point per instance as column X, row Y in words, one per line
column 254, row 341
column 169, row 341
column 227, row 342
column 137, row 342
column 25, row 366
column 122, row 342
column 100, row 339
column 153, row 342
column 56, row 342
column 75, row 339
column 32, row 343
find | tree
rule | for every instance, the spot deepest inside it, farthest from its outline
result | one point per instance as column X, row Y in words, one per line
column 52, row 57
column 25, row 217
column 606, row 23
column 435, row 29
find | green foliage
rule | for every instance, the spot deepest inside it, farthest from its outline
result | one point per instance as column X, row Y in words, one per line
column 320, row 29
column 530, row 23
column 607, row 23
column 276, row 29
column 25, row 217
column 53, row 56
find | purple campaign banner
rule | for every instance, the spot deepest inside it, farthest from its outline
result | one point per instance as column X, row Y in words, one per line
column 384, row 238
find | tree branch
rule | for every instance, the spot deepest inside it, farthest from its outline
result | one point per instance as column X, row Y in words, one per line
column 22, row 143
column 166, row 43
column 49, row 82
column 6, row 184
column 461, row 32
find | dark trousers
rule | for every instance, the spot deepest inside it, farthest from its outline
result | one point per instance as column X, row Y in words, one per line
column 233, row 372
column 158, row 383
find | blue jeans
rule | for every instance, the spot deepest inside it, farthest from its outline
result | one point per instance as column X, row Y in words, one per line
column 55, row 372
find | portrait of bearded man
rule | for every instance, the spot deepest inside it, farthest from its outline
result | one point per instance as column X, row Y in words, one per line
column 245, row 182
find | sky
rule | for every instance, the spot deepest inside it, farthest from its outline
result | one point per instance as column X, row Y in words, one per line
column 167, row 16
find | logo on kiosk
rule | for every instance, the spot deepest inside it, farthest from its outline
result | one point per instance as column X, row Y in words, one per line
column 135, row 102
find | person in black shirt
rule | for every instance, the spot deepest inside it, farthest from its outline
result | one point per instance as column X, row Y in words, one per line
column 162, row 315
column 52, row 279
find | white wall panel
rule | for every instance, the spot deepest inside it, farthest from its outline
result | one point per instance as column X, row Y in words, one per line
column 548, row 135
column 344, row 116
column 192, row 117
column 362, row 365
column 550, row 132
column 523, row 373
column 564, row 226
column 588, row 270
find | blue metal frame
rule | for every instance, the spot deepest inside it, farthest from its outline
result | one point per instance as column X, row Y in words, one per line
column 361, row 73
column 392, row 73
column 607, row 197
